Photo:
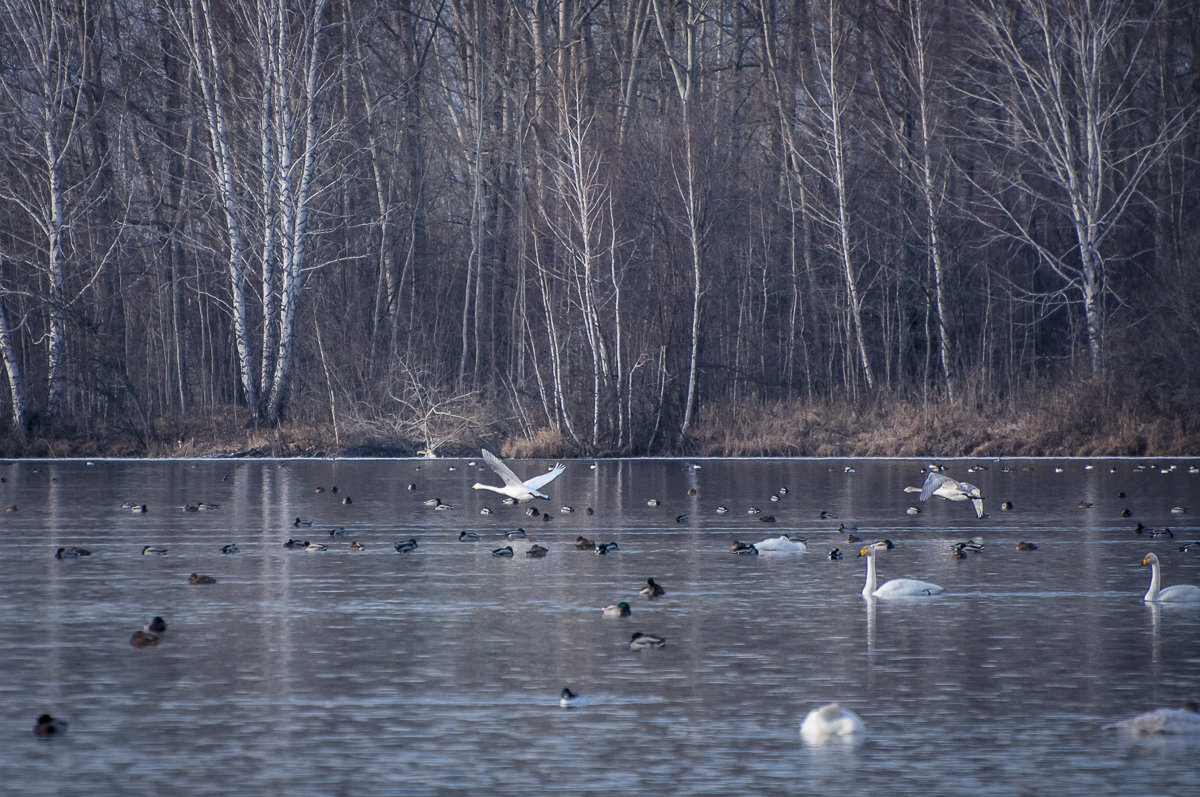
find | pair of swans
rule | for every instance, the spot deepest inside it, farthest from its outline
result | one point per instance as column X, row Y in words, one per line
column 513, row 486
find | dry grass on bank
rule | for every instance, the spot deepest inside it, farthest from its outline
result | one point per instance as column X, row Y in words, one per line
column 1063, row 423
column 1080, row 420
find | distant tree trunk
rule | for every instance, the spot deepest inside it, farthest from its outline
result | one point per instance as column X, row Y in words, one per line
column 12, row 369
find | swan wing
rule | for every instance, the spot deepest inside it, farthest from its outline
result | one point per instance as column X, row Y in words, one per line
column 506, row 475
column 1179, row 593
column 545, row 478
column 1164, row 721
column 935, row 484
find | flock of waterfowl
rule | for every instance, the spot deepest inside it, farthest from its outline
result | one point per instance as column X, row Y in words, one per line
column 822, row 723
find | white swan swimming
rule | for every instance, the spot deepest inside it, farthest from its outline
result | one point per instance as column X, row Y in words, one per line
column 781, row 544
column 1164, row 721
column 897, row 587
column 951, row 489
column 1176, row 593
column 513, row 486
column 828, row 721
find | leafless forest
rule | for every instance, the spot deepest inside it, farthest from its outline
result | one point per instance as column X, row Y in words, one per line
column 585, row 226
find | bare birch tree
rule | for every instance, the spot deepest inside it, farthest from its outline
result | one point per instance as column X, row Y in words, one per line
column 1063, row 116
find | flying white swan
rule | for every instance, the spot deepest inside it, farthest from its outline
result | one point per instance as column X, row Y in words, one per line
column 1176, row 593
column 829, row 721
column 781, row 544
column 943, row 486
column 513, row 487
column 1164, row 721
column 897, row 587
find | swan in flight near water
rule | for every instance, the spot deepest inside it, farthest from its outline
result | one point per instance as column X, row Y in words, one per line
column 513, row 486
column 828, row 721
column 897, row 587
column 1176, row 593
column 943, row 486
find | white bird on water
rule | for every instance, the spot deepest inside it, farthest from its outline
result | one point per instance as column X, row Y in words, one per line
column 897, row 587
column 951, row 489
column 829, row 721
column 1176, row 593
column 513, row 487
column 1164, row 721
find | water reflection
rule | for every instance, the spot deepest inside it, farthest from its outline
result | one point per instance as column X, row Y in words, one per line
column 440, row 670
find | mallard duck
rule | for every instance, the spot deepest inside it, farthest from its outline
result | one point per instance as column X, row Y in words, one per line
column 640, row 641
column 515, row 534
column 407, row 546
column 513, row 487
column 316, row 546
column 298, row 522
column 468, row 536
column 603, row 548
column 743, row 548
column 506, row 551
column 291, row 543
column 536, row 551
column 357, row 546
column 1026, row 546
column 71, row 552
column 139, row 509
column 337, row 531
column 584, row 544
column 230, row 548
column 483, row 510
column 653, row 502
column 154, row 550
column 652, row 589
column 49, row 726
column 835, row 555
column 195, row 578
column 143, row 639
column 157, row 625
column 618, row 610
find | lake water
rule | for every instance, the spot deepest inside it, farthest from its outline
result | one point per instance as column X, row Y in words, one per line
column 439, row 670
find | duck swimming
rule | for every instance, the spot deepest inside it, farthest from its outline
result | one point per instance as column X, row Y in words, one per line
column 743, row 548
column 536, row 551
column 640, row 641
column 230, row 548
column 143, row 639
column 513, row 487
column 617, row 610
column 568, row 699
column 357, row 546
column 505, row 551
column 408, row 546
column 195, row 578
column 652, row 589
column 49, row 726
column 71, row 552
column 468, row 536
column 154, row 550
column 157, row 625
column 584, row 544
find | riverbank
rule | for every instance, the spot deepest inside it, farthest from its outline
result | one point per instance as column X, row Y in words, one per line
column 1064, row 422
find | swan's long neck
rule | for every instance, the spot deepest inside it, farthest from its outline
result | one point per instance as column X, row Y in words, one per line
column 1155, row 581
column 869, row 587
column 478, row 486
